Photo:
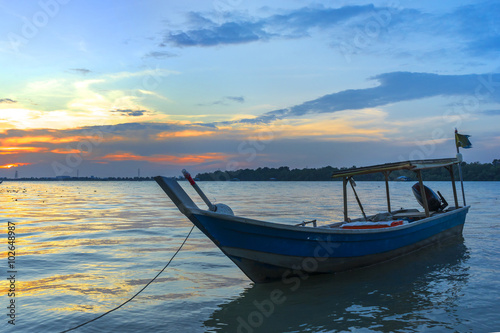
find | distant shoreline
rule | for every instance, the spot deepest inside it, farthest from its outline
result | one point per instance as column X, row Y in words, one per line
column 471, row 172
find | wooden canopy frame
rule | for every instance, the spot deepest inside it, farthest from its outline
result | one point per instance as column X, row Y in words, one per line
column 415, row 165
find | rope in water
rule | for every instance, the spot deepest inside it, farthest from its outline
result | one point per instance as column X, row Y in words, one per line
column 131, row 298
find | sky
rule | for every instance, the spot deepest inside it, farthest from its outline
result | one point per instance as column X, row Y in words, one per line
column 103, row 89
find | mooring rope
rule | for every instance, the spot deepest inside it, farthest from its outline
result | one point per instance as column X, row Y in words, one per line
column 131, row 298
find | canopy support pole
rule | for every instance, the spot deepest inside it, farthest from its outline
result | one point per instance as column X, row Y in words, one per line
column 344, row 187
column 386, row 175
column 459, row 156
column 452, row 176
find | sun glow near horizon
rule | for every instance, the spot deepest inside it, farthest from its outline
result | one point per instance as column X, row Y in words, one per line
column 14, row 165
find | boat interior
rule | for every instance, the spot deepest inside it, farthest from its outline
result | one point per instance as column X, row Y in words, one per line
column 405, row 215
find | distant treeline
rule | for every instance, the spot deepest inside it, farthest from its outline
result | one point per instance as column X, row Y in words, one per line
column 471, row 172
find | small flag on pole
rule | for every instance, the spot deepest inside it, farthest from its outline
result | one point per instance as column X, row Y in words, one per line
column 462, row 140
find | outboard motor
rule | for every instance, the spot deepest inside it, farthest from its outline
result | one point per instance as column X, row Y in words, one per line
column 434, row 202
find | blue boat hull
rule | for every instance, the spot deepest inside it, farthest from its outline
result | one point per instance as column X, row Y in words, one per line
column 267, row 251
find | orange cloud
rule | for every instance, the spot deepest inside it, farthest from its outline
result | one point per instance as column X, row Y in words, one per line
column 45, row 138
column 365, row 125
column 10, row 150
column 168, row 159
column 66, row 151
column 183, row 134
column 13, row 165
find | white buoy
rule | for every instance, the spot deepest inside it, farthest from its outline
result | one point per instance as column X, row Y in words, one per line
column 223, row 209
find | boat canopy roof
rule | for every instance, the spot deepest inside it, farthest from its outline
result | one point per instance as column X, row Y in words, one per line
column 388, row 167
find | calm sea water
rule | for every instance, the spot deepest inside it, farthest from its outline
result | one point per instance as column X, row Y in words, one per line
column 83, row 248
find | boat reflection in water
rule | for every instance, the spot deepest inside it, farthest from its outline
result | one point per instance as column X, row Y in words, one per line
column 413, row 293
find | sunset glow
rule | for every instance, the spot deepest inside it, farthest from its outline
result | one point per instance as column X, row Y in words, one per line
column 11, row 150
column 184, row 134
column 168, row 159
column 248, row 84
column 39, row 139
column 14, row 165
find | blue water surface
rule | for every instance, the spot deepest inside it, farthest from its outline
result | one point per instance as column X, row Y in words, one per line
column 83, row 248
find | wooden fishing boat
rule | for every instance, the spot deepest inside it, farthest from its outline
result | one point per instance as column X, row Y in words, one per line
column 267, row 251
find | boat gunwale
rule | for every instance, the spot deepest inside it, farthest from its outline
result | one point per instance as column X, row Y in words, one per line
column 322, row 230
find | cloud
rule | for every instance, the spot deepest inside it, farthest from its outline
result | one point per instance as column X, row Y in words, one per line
column 153, row 145
column 163, row 148
column 479, row 25
column 321, row 17
column 227, row 33
column 393, row 87
column 131, row 113
column 183, row 159
column 295, row 23
column 491, row 112
column 83, row 71
column 485, row 45
column 225, row 100
column 159, row 55
column 239, row 99
column 13, row 165
column 144, row 139
column 471, row 29
column 7, row 100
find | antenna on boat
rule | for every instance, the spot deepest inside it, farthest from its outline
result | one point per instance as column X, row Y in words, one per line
column 191, row 181
column 219, row 208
